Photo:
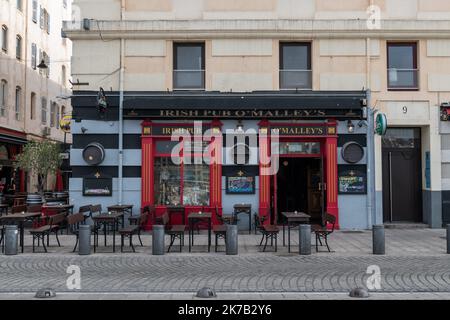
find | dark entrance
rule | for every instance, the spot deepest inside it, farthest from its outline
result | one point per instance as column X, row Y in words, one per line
column 402, row 198
column 298, row 187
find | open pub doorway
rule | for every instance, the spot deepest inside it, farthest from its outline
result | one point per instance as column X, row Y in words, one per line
column 299, row 187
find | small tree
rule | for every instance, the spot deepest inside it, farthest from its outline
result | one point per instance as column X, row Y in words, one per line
column 40, row 158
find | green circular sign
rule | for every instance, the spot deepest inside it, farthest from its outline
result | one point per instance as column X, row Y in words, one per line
column 381, row 124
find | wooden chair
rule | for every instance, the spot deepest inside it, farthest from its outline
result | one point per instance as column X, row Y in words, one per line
column 150, row 210
column 74, row 221
column 95, row 210
column 86, row 211
column 322, row 232
column 220, row 231
column 52, row 226
column 133, row 229
column 2, row 236
column 175, row 231
column 268, row 231
column 34, row 208
column 19, row 201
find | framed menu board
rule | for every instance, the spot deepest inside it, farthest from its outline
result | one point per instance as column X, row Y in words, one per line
column 97, row 187
column 352, row 179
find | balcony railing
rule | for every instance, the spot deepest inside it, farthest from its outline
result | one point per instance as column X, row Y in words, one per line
column 296, row 79
column 403, row 79
column 189, row 79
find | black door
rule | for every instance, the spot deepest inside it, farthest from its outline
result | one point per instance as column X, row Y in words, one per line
column 402, row 186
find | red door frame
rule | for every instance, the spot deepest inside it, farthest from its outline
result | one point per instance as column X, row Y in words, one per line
column 328, row 152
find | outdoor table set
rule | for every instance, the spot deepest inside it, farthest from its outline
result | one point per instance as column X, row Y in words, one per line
column 196, row 217
column 293, row 219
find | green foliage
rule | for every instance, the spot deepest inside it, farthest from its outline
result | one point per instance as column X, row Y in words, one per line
column 40, row 158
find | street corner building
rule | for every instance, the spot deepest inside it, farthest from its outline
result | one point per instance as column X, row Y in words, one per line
column 240, row 74
column 34, row 86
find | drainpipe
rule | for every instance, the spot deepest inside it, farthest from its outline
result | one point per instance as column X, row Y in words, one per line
column 121, row 86
column 371, row 196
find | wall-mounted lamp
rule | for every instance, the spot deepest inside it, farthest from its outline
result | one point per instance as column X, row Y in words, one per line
column 240, row 127
column 42, row 65
column 83, row 130
column 350, row 126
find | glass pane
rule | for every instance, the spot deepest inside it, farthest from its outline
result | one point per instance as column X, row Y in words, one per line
column 165, row 147
column 291, row 79
column 188, row 79
column 299, row 147
column 196, row 185
column 401, row 57
column 167, row 182
column 295, row 57
column 401, row 138
column 189, row 57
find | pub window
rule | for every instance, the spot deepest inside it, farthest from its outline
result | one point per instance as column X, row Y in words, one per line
column 295, row 65
column 4, row 38
column 179, row 183
column 403, row 72
column 189, row 66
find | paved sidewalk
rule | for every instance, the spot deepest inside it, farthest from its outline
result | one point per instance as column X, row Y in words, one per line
column 415, row 263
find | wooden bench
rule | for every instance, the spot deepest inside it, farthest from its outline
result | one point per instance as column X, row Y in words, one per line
column 175, row 231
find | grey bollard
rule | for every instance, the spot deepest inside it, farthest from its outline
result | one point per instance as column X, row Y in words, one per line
column 304, row 239
column 84, row 238
column 378, row 239
column 11, row 240
column 448, row 238
column 232, row 240
column 158, row 244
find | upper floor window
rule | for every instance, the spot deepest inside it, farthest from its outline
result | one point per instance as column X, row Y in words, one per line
column 188, row 66
column 33, row 56
column 295, row 65
column 18, row 47
column 53, row 108
column 18, row 103
column 63, row 76
column 403, row 72
column 3, row 97
column 33, row 106
column 65, row 4
column 19, row 5
column 4, row 38
column 44, row 20
column 44, row 110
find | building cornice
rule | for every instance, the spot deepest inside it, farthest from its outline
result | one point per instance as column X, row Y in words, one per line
column 292, row 29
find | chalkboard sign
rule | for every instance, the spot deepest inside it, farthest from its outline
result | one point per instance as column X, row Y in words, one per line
column 352, row 179
column 97, row 187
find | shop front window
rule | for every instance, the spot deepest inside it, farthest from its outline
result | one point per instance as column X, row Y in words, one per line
column 167, row 182
column 184, row 184
column 196, row 185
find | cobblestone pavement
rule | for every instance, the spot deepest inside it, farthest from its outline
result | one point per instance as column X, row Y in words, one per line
column 415, row 262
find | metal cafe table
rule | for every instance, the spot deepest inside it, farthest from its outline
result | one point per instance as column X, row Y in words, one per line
column 293, row 219
column 108, row 219
column 243, row 208
column 20, row 219
column 192, row 218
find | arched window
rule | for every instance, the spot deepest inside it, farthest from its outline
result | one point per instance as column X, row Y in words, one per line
column 3, row 97
column 17, row 106
column 33, row 106
column 4, row 38
column 18, row 47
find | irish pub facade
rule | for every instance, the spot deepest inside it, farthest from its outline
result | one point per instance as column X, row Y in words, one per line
column 223, row 104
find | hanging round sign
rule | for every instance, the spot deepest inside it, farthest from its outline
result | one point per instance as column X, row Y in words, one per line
column 381, row 124
column 64, row 124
